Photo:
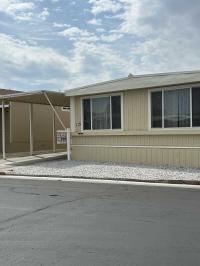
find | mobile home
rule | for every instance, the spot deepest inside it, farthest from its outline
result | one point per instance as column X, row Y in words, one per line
column 142, row 119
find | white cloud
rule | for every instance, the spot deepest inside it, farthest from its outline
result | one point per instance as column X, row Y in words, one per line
column 100, row 6
column 86, row 63
column 44, row 14
column 143, row 36
column 77, row 34
column 19, row 10
column 19, row 55
column 111, row 37
column 95, row 22
column 60, row 25
column 164, row 39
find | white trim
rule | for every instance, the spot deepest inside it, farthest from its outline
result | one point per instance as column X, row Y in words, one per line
column 136, row 146
column 170, row 128
column 68, row 144
column 5, row 106
column 149, row 110
column 65, row 109
column 54, row 131
column 122, row 113
column 91, row 110
column 163, row 110
column 102, row 96
column 72, row 114
column 10, row 115
column 3, row 131
column 191, row 113
column 111, row 113
column 81, row 105
column 31, row 128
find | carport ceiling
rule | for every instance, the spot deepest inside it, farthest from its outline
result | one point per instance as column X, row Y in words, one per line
column 37, row 97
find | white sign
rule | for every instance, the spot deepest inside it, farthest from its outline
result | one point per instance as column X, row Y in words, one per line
column 61, row 137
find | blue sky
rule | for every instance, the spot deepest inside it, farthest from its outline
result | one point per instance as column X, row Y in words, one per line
column 62, row 44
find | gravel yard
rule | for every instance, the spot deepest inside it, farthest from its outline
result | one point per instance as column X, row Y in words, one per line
column 63, row 168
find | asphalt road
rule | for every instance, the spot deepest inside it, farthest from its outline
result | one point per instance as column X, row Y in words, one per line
column 60, row 223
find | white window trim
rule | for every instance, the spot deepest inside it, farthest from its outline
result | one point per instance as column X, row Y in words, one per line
column 150, row 128
column 101, row 96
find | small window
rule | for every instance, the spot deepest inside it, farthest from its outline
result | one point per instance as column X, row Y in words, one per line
column 86, row 114
column 196, row 107
column 156, row 109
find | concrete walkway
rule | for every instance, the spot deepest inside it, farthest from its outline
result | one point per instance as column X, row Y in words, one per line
column 9, row 162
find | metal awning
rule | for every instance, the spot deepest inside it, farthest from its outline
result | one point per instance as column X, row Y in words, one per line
column 38, row 97
column 50, row 98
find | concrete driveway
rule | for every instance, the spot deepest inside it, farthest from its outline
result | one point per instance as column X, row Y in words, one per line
column 62, row 223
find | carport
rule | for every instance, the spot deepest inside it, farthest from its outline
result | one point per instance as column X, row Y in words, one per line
column 44, row 97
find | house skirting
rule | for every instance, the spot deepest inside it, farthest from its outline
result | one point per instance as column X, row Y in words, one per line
column 180, row 151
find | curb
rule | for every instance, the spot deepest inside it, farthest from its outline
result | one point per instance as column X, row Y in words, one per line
column 160, row 181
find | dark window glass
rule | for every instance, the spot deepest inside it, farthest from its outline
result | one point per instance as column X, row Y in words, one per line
column 156, row 109
column 116, row 112
column 101, row 113
column 177, row 108
column 86, row 114
column 196, row 107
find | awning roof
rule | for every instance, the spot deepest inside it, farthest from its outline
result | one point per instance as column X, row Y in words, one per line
column 37, row 97
column 134, row 82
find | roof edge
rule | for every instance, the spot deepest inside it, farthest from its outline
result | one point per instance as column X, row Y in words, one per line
column 132, row 77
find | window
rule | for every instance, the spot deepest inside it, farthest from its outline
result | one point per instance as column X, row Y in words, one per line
column 177, row 108
column 156, row 109
column 196, row 107
column 102, row 113
column 116, row 112
column 172, row 108
column 87, row 114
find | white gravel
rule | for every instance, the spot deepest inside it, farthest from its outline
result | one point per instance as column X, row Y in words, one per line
column 63, row 168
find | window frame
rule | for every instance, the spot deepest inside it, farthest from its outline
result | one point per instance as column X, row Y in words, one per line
column 168, row 89
column 102, row 96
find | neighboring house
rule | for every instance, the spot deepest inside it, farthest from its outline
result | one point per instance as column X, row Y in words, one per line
column 148, row 119
column 17, row 125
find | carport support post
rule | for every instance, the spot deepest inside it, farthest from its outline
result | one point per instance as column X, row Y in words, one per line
column 68, row 144
column 3, row 132
column 54, row 133
column 31, row 127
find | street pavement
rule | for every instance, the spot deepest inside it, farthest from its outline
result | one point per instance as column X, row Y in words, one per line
column 67, row 223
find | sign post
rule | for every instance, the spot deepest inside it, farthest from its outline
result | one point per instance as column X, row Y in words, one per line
column 63, row 137
column 68, row 144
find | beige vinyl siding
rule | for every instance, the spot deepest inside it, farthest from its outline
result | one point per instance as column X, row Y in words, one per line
column 145, row 156
column 168, row 141
column 78, row 113
column 150, row 150
column 135, row 110
column 136, row 143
